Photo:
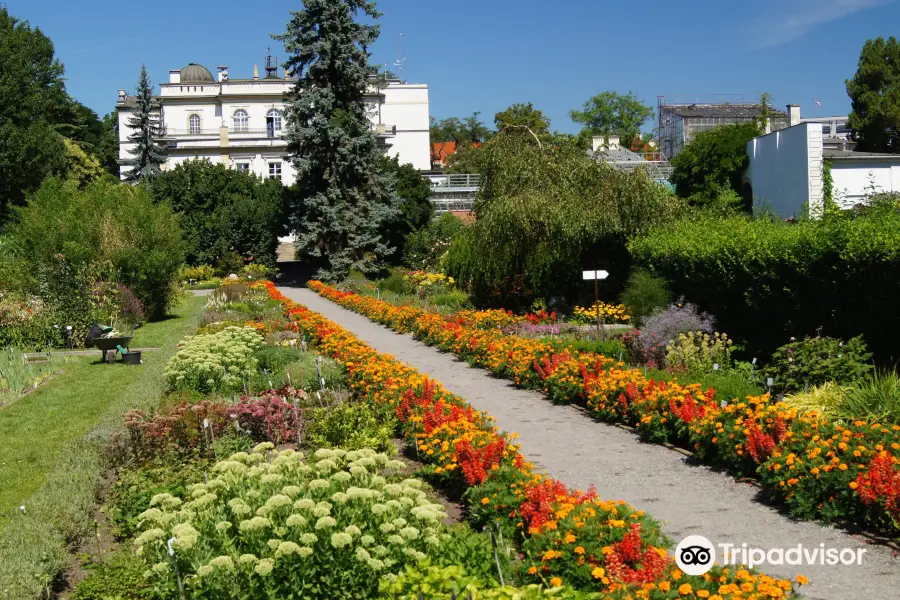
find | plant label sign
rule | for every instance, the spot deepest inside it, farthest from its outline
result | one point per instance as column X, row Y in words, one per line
column 591, row 275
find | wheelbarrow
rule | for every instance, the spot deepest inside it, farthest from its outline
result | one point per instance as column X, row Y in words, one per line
column 112, row 345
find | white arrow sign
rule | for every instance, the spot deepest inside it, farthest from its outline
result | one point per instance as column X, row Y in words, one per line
column 594, row 275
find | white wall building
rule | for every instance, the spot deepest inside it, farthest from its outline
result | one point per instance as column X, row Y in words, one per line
column 786, row 172
column 239, row 122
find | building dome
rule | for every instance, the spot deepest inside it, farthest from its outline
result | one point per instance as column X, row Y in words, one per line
column 194, row 73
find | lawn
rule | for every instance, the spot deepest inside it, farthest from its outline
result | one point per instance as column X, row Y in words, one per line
column 37, row 428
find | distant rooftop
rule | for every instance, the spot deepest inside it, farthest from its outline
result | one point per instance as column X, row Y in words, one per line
column 734, row 111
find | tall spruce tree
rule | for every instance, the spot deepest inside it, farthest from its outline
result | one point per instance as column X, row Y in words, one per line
column 344, row 200
column 149, row 154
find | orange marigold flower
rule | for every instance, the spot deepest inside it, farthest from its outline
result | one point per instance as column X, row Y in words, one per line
column 555, row 581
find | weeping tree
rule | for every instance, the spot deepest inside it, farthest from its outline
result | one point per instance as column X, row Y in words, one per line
column 343, row 201
column 148, row 152
column 545, row 212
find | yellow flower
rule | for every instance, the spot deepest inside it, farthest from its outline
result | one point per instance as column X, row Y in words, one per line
column 555, row 581
column 579, row 550
column 802, row 580
column 598, row 573
column 485, row 500
column 570, row 539
column 685, row 588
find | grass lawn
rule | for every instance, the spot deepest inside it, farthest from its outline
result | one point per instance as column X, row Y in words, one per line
column 36, row 429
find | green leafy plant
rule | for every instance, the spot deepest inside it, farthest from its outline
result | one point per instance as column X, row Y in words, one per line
column 351, row 426
column 197, row 273
column 874, row 398
column 270, row 524
column 118, row 577
column 214, row 362
column 799, row 365
column 644, row 294
column 699, row 352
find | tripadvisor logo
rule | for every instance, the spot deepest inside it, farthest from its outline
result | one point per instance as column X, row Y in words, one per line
column 695, row 555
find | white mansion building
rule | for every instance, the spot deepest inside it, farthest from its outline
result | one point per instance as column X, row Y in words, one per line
column 238, row 122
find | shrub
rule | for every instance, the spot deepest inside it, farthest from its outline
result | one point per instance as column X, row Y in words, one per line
column 425, row 247
column 644, row 294
column 197, row 273
column 229, row 216
column 179, row 430
column 648, row 345
column 119, row 577
column 608, row 313
column 823, row 399
column 452, row 301
column 247, row 531
column 874, row 398
column 351, row 426
column 698, row 352
column 713, row 163
column 69, row 239
column 768, row 280
column 214, row 362
column 274, row 359
column 396, row 282
column 255, row 271
column 800, row 365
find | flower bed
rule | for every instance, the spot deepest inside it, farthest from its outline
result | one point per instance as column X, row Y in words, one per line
column 819, row 469
column 567, row 537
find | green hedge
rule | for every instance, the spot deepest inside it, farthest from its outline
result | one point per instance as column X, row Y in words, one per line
column 766, row 281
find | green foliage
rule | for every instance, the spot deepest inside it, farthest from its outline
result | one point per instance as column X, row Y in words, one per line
column 275, row 358
column 817, row 360
column 453, row 582
column 396, row 282
column 544, row 213
column 337, row 515
column 874, row 398
column 415, row 209
column 522, row 118
column 699, row 352
column 135, row 487
column 214, row 362
column 68, row 239
column 343, row 200
column 197, row 273
column 611, row 348
column 425, row 247
column 81, row 167
column 611, row 113
column 770, row 280
column 875, row 97
column 148, row 151
column 118, row 577
column 462, row 131
column 351, row 426
column 35, row 103
column 644, row 294
column 225, row 212
column 709, row 169
column 453, row 300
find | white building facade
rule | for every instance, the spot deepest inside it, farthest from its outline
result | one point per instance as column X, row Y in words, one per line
column 240, row 122
column 786, row 174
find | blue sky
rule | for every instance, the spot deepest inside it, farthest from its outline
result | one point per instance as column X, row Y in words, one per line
column 485, row 55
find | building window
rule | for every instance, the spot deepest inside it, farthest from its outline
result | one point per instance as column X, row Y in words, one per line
column 194, row 124
column 275, row 170
column 273, row 122
column 241, row 120
column 243, row 167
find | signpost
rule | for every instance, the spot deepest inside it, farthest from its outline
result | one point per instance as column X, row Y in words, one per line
column 596, row 276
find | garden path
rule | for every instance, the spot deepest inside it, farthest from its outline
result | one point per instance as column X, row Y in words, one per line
column 689, row 499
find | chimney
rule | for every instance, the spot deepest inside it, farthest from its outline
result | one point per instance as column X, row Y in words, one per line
column 175, row 76
column 613, row 142
column 223, row 73
column 122, row 96
column 793, row 111
column 255, row 73
column 596, row 143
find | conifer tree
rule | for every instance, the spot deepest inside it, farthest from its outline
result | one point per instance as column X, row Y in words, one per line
column 149, row 153
column 344, row 200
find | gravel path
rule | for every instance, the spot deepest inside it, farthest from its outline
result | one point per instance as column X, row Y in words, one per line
column 689, row 500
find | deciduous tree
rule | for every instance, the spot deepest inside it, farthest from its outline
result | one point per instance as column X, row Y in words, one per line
column 611, row 113
column 521, row 117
